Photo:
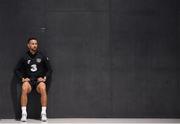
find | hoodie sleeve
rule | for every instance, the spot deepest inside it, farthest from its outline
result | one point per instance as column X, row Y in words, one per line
column 47, row 67
column 20, row 69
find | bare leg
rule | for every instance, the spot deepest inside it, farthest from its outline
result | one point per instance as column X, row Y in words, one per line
column 41, row 89
column 26, row 89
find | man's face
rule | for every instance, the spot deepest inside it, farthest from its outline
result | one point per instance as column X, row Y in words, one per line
column 33, row 45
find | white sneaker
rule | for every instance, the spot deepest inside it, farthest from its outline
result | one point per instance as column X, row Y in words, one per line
column 43, row 117
column 24, row 118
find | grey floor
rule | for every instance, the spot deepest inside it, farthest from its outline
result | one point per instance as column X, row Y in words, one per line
column 92, row 120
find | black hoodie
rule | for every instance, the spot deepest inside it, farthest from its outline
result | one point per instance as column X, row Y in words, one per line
column 33, row 66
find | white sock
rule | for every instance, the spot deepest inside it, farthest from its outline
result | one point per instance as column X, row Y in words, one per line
column 43, row 111
column 23, row 108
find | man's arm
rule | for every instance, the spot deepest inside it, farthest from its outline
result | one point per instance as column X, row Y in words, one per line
column 19, row 70
column 47, row 67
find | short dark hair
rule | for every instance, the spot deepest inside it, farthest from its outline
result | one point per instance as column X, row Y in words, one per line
column 31, row 38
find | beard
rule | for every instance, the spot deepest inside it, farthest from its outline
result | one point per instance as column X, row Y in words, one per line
column 34, row 49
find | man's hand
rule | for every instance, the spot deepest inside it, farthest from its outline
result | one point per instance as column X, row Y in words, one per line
column 40, row 79
column 25, row 79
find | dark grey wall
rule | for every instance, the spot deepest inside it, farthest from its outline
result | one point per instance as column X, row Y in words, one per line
column 110, row 58
column 144, row 58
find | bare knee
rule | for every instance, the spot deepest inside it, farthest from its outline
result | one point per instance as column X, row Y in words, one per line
column 25, row 88
column 42, row 88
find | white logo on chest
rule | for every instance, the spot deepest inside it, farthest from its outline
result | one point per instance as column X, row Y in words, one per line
column 38, row 60
column 28, row 61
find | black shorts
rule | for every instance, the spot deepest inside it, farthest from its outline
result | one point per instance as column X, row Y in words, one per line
column 34, row 83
